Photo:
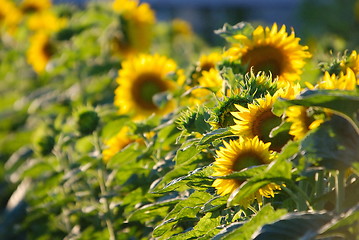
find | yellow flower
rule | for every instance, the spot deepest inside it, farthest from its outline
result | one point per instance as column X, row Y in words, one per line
column 46, row 21
column 40, row 51
column 205, row 63
column 136, row 25
column 352, row 62
column 238, row 155
column 10, row 16
column 210, row 84
column 118, row 142
column 271, row 50
column 139, row 80
column 34, row 5
column 301, row 121
column 346, row 81
column 259, row 120
column 181, row 27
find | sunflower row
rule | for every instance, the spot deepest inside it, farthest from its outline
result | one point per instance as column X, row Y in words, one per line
column 142, row 130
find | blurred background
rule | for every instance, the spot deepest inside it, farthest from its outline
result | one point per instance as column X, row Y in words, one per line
column 337, row 20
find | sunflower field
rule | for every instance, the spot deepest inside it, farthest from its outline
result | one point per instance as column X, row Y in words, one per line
column 116, row 125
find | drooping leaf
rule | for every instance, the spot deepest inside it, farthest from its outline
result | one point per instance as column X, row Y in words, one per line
column 299, row 225
column 198, row 179
column 332, row 145
column 244, row 231
column 228, row 31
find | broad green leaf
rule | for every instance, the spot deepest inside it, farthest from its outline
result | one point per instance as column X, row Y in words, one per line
column 332, row 145
column 342, row 102
column 345, row 225
column 228, row 31
column 299, row 225
column 240, row 231
column 246, row 173
column 197, row 179
column 185, row 211
column 153, row 210
column 204, row 229
column 214, row 135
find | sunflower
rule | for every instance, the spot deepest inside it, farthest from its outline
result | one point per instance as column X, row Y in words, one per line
column 237, row 155
column 30, row 6
column 46, row 21
column 40, row 51
column 301, row 121
column 352, row 62
column 140, row 79
column 259, row 120
column 136, row 28
column 118, row 142
column 10, row 16
column 206, row 62
column 210, row 84
column 270, row 50
column 343, row 81
column 181, row 27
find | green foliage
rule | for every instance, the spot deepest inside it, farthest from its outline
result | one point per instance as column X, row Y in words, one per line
column 56, row 125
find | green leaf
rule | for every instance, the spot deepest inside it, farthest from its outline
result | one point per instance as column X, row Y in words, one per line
column 345, row 225
column 214, row 135
column 342, row 102
column 240, row 231
column 332, row 145
column 186, row 211
column 154, row 210
column 198, row 179
column 246, row 173
column 228, row 31
column 293, row 226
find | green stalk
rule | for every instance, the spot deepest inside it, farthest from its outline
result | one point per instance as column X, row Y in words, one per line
column 319, row 187
column 101, row 178
column 339, row 190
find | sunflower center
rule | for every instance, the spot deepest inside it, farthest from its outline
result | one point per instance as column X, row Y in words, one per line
column 207, row 66
column 264, row 123
column 148, row 84
column 266, row 59
column 247, row 159
column 48, row 50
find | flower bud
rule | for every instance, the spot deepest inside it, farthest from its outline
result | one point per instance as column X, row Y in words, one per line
column 87, row 122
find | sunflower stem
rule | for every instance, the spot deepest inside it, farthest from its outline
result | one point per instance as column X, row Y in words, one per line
column 319, row 187
column 101, row 178
column 339, row 190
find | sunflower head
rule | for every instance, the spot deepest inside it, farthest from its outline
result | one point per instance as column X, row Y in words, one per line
column 347, row 81
column 270, row 50
column 303, row 120
column 118, row 142
column 134, row 33
column 31, row 6
column 205, row 63
column 46, row 21
column 181, row 27
column 236, row 156
column 10, row 16
column 42, row 48
column 144, row 83
column 257, row 119
column 352, row 62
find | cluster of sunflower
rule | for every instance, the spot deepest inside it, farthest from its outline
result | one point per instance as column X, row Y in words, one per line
column 142, row 130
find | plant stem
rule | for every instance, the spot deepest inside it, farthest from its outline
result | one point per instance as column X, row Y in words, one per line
column 101, row 179
column 339, row 190
column 319, row 187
